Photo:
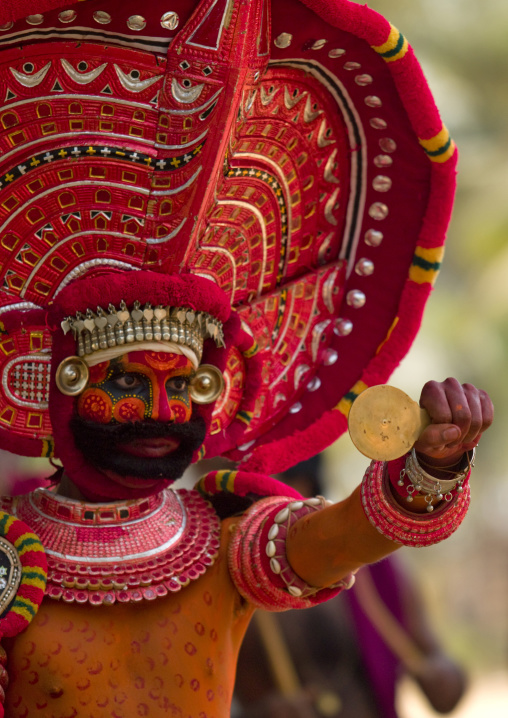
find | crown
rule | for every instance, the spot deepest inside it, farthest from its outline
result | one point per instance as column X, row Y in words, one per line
column 99, row 330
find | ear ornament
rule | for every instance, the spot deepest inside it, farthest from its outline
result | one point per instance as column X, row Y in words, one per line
column 207, row 384
column 72, row 376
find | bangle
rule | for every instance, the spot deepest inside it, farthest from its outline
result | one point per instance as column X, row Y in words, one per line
column 404, row 527
column 257, row 556
column 416, row 480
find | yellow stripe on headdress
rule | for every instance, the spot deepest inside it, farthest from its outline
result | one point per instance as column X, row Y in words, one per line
column 245, row 416
column 6, row 522
column 388, row 335
column 426, row 264
column 440, row 147
column 346, row 402
column 250, row 352
column 394, row 48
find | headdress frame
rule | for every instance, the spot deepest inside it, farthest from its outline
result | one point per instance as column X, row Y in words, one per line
column 319, row 194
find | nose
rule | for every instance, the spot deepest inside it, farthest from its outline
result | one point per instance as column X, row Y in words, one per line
column 162, row 409
column 170, row 410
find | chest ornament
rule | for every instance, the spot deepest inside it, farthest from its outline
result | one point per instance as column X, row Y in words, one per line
column 126, row 551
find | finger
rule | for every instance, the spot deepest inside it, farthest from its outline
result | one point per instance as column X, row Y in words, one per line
column 446, row 403
column 434, row 400
column 437, row 438
column 459, row 407
column 473, row 399
column 487, row 409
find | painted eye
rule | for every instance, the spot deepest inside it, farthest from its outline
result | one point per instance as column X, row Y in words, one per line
column 127, row 381
column 178, row 383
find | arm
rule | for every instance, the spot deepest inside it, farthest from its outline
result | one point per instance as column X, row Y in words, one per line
column 323, row 547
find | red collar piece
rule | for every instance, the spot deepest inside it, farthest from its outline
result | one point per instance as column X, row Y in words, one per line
column 289, row 154
column 124, row 551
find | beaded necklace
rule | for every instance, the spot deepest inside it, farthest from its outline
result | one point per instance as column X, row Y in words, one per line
column 125, row 551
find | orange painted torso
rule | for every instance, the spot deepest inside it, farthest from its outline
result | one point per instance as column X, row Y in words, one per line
column 173, row 656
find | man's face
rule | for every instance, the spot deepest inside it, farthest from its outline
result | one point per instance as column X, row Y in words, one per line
column 135, row 418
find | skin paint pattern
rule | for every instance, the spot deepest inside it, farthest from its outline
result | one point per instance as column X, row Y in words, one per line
column 136, row 386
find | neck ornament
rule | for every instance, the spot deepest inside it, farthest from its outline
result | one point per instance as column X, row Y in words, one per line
column 125, row 551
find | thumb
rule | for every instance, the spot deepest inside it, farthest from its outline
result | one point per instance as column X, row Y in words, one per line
column 438, row 437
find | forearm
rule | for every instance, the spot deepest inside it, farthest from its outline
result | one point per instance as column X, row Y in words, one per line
column 387, row 511
column 324, row 547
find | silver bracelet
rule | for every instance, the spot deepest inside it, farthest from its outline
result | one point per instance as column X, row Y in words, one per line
column 420, row 481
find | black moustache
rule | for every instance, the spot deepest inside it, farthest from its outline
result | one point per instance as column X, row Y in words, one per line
column 101, row 446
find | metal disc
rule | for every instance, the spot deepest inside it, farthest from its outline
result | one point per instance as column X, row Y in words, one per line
column 384, row 422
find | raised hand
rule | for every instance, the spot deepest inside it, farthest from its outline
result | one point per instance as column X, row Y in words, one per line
column 459, row 413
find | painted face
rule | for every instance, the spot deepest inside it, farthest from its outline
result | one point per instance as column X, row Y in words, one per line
column 138, row 385
column 135, row 418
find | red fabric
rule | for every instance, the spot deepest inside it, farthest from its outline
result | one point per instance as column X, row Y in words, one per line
column 245, row 482
column 183, row 290
column 374, row 29
column 14, row 9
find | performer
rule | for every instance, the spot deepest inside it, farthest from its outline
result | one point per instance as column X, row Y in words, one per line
column 219, row 223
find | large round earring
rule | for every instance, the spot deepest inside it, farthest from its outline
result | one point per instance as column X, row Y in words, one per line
column 207, row 384
column 72, row 376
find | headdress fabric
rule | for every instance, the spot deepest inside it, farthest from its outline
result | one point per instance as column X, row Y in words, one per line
column 289, row 155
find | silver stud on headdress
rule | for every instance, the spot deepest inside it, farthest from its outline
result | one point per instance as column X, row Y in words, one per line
column 95, row 331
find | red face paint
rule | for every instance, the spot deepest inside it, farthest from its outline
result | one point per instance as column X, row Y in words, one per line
column 138, row 385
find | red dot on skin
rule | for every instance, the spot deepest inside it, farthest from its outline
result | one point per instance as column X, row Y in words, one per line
column 199, row 628
column 190, row 648
column 173, row 628
column 194, row 684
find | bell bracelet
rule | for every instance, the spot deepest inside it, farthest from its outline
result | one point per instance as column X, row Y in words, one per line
column 421, row 482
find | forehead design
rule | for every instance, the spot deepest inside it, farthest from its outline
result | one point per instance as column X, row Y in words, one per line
column 160, row 361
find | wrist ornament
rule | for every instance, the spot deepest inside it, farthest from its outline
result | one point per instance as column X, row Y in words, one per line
column 405, row 527
column 258, row 562
column 414, row 479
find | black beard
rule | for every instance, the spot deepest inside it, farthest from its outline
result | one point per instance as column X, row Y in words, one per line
column 99, row 444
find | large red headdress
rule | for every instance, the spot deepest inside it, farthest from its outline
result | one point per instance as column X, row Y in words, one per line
column 288, row 154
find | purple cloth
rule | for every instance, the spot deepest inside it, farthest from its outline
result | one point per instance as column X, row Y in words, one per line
column 381, row 664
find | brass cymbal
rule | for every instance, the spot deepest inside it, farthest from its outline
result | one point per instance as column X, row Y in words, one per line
column 384, row 422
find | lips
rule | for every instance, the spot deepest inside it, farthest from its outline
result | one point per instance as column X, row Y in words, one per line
column 150, row 448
